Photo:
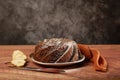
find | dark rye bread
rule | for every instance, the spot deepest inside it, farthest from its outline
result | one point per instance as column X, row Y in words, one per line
column 56, row 50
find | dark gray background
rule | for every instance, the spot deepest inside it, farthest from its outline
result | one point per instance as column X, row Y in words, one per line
column 85, row 21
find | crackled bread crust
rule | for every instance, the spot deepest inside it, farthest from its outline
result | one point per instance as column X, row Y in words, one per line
column 56, row 50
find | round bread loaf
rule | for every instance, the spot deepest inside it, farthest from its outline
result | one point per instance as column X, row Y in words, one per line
column 57, row 50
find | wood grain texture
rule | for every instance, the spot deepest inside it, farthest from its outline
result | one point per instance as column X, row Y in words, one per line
column 82, row 71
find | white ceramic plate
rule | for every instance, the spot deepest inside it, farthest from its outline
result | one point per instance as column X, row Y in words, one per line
column 57, row 64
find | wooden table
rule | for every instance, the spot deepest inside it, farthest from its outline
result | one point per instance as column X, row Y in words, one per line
column 83, row 71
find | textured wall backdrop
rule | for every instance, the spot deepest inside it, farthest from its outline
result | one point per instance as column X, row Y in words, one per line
column 85, row 21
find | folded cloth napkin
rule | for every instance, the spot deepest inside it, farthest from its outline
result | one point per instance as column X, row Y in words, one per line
column 94, row 55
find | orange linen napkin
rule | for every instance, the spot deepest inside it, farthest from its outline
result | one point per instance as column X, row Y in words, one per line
column 94, row 55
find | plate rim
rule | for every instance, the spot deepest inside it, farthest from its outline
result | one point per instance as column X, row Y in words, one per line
column 57, row 64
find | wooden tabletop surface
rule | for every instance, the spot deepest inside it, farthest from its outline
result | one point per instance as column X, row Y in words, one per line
column 82, row 71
